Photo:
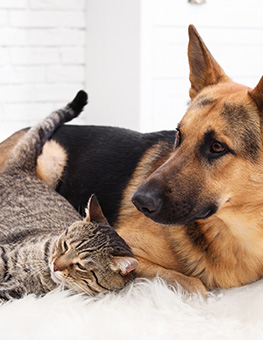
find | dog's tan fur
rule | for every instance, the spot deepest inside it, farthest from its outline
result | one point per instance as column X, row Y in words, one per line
column 148, row 240
column 223, row 249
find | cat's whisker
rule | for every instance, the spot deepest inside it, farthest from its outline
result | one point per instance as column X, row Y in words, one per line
column 34, row 268
column 32, row 264
column 85, row 289
column 89, row 293
column 40, row 261
column 36, row 271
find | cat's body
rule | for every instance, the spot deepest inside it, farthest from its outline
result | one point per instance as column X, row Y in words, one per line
column 29, row 211
column 39, row 232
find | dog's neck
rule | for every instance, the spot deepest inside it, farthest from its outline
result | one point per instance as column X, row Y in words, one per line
column 245, row 228
column 238, row 263
column 242, row 215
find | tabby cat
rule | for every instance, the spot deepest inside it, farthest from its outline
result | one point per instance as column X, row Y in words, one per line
column 43, row 241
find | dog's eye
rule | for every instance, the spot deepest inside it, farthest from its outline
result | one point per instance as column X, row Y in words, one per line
column 218, row 147
column 177, row 138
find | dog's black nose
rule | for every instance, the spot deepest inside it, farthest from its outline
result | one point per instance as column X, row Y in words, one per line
column 148, row 202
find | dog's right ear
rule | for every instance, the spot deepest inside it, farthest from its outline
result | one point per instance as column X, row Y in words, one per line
column 204, row 70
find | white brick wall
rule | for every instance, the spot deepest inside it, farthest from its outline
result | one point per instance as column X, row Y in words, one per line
column 42, row 58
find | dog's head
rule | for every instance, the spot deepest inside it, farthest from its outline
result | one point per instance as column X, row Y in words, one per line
column 217, row 156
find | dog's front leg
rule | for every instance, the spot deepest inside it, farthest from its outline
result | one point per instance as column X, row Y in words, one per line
column 150, row 270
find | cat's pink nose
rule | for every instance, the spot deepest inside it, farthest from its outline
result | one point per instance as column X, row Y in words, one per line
column 55, row 267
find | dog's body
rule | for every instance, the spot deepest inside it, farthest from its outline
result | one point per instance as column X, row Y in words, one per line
column 205, row 198
column 81, row 160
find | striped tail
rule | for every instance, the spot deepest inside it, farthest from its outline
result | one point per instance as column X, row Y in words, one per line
column 28, row 149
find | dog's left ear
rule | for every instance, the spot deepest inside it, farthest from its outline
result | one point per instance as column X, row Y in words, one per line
column 204, row 70
column 257, row 95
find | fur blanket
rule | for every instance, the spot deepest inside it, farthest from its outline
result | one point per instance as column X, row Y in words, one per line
column 143, row 310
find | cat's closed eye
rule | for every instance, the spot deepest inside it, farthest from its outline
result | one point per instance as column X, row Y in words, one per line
column 65, row 246
column 79, row 266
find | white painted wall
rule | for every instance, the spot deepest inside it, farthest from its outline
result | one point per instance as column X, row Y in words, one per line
column 113, row 62
column 152, row 93
column 232, row 30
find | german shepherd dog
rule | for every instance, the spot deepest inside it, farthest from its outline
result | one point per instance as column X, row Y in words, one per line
column 198, row 191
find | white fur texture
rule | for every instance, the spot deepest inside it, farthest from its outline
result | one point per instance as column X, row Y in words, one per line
column 144, row 310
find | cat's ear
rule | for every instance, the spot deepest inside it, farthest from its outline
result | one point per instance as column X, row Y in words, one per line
column 124, row 264
column 93, row 212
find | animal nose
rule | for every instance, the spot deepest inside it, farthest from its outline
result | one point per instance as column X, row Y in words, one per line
column 56, row 268
column 148, row 202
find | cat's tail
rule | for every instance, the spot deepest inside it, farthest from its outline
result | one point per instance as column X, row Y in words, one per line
column 25, row 154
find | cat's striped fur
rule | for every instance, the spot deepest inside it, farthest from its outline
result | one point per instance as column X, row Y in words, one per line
column 39, row 234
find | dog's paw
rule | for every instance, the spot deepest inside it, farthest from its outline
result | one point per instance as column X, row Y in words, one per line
column 189, row 284
column 193, row 285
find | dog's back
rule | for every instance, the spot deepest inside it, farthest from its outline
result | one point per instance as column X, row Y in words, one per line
column 82, row 160
column 101, row 160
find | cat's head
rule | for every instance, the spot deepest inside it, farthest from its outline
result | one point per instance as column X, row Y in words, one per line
column 90, row 256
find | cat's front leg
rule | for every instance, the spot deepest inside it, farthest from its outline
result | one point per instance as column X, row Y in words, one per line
column 10, row 291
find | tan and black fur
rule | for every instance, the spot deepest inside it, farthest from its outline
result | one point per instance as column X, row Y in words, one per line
column 199, row 195
column 209, row 192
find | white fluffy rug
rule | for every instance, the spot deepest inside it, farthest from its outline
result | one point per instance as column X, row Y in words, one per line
column 144, row 310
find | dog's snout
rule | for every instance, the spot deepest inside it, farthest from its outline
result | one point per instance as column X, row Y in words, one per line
column 148, row 202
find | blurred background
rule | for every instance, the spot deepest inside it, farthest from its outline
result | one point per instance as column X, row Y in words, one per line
column 129, row 55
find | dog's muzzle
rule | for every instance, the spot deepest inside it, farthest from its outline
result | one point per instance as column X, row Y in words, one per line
column 154, row 204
